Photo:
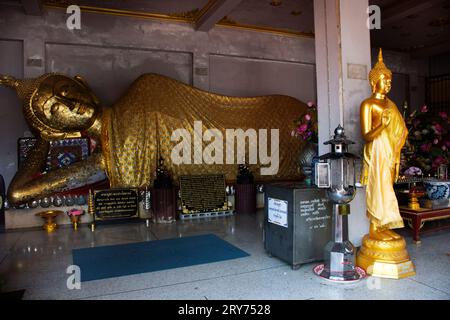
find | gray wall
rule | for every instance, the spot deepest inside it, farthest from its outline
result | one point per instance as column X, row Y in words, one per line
column 12, row 123
column 440, row 64
column 111, row 51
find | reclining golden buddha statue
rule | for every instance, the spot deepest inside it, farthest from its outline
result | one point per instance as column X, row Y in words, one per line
column 135, row 132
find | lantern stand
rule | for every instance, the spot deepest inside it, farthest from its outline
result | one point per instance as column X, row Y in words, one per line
column 335, row 172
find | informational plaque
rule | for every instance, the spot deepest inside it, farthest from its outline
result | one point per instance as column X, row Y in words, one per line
column 203, row 193
column 278, row 212
column 116, row 203
column 315, row 213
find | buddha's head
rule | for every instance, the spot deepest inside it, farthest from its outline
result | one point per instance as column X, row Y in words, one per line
column 380, row 77
column 56, row 105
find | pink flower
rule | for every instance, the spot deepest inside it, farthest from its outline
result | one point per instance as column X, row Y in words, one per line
column 435, row 141
column 302, row 128
column 426, row 147
column 437, row 128
column 310, row 104
column 75, row 212
column 444, row 148
column 424, row 109
column 438, row 161
column 443, row 115
column 307, row 117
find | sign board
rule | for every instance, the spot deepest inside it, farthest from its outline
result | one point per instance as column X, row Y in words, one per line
column 278, row 212
column 116, row 203
column 203, row 193
column 314, row 213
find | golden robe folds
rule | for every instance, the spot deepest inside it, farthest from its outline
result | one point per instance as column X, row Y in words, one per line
column 142, row 122
column 381, row 156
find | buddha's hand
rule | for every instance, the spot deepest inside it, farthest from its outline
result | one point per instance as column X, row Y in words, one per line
column 386, row 118
column 7, row 81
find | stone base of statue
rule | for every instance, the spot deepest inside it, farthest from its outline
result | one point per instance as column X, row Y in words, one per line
column 385, row 259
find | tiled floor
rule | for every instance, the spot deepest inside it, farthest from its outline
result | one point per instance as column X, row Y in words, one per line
column 37, row 262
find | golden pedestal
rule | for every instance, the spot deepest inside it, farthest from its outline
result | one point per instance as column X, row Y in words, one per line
column 75, row 221
column 49, row 217
column 413, row 202
column 385, row 259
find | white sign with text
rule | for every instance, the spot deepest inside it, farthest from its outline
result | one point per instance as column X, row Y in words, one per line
column 278, row 212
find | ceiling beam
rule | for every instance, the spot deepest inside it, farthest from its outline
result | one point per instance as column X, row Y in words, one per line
column 404, row 9
column 429, row 51
column 218, row 10
column 32, row 7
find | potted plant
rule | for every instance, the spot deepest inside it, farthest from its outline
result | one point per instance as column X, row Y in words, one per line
column 306, row 129
column 429, row 141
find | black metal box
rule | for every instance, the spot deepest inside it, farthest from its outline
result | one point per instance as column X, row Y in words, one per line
column 297, row 222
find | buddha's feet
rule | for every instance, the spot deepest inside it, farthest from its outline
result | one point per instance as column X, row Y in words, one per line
column 382, row 234
column 393, row 234
column 378, row 234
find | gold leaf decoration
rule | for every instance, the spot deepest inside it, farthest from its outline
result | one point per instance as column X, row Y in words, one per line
column 188, row 15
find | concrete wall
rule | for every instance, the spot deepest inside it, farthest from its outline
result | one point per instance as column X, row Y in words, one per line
column 343, row 61
column 440, row 64
column 111, row 51
column 12, row 124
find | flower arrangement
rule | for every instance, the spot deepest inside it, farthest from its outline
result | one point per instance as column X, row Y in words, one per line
column 75, row 212
column 75, row 215
column 306, row 126
column 429, row 142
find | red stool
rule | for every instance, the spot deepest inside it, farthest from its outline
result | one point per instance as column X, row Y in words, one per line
column 245, row 198
column 164, row 205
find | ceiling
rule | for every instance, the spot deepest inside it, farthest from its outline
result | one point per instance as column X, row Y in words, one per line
column 421, row 28
column 290, row 17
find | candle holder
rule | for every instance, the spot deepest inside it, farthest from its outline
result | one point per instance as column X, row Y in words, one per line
column 49, row 217
column 75, row 217
column 413, row 197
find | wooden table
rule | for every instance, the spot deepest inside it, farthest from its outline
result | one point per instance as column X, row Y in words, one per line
column 417, row 218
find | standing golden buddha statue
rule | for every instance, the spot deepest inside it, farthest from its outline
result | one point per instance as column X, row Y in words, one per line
column 383, row 252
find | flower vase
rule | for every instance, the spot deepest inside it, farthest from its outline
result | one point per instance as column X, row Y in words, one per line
column 306, row 157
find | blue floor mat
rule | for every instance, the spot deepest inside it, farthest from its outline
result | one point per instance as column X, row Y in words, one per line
column 121, row 260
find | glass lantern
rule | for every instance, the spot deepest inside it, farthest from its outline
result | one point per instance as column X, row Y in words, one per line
column 336, row 173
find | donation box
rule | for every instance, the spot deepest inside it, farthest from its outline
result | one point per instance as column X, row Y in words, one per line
column 297, row 222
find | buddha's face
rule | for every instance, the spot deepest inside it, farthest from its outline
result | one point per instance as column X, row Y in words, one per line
column 383, row 84
column 65, row 104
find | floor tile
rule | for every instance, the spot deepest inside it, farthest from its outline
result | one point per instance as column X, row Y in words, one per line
column 37, row 262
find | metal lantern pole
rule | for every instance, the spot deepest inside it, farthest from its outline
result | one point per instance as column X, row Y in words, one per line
column 336, row 173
